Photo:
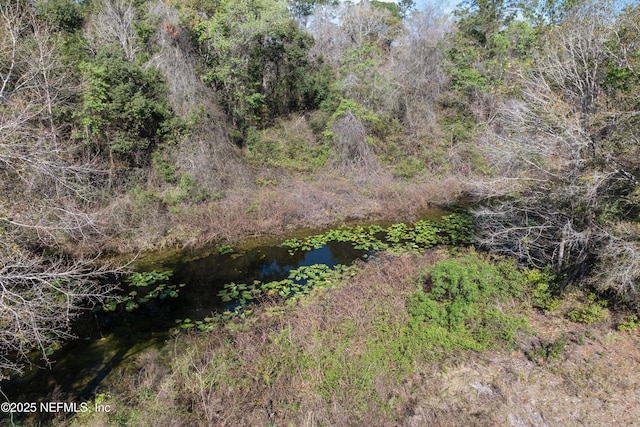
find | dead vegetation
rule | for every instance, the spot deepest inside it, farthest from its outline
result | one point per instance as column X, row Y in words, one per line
column 274, row 209
column 207, row 153
column 354, row 154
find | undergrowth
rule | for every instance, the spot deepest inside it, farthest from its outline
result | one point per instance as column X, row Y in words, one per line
column 342, row 348
column 463, row 305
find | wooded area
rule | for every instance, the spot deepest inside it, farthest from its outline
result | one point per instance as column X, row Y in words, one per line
column 137, row 124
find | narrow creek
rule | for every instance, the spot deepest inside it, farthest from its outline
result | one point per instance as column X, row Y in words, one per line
column 107, row 341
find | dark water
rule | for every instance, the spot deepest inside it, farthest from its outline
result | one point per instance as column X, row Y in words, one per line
column 107, row 340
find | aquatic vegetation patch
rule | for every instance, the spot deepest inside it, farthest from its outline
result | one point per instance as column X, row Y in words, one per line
column 299, row 282
column 155, row 284
column 224, row 249
column 453, row 229
column 207, row 324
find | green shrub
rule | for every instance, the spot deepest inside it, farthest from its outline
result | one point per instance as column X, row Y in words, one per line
column 165, row 170
column 590, row 312
column 123, row 105
column 408, row 167
column 541, row 282
column 460, row 309
column 547, row 350
column 291, row 145
column 629, row 323
column 63, row 14
column 187, row 190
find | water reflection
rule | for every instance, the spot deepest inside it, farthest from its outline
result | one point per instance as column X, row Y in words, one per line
column 106, row 340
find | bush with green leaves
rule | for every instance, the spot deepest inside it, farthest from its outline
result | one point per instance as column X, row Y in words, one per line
column 630, row 323
column 547, row 350
column 542, row 284
column 461, row 304
column 123, row 106
column 64, row 14
column 256, row 58
column 591, row 311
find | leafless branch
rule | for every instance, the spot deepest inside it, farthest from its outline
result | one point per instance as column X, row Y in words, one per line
column 113, row 22
column 39, row 298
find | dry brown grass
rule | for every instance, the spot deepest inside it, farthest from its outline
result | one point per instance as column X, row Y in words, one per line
column 595, row 383
column 272, row 210
column 329, row 200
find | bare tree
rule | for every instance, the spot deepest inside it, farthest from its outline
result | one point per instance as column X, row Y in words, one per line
column 16, row 75
column 112, row 22
column 619, row 263
column 571, row 66
column 33, row 161
column 363, row 23
column 415, row 69
column 46, row 196
column 544, row 225
column 347, row 37
column 551, row 201
column 327, row 32
column 39, row 298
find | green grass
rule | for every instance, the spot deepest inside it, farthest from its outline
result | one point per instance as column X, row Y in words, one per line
column 464, row 305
